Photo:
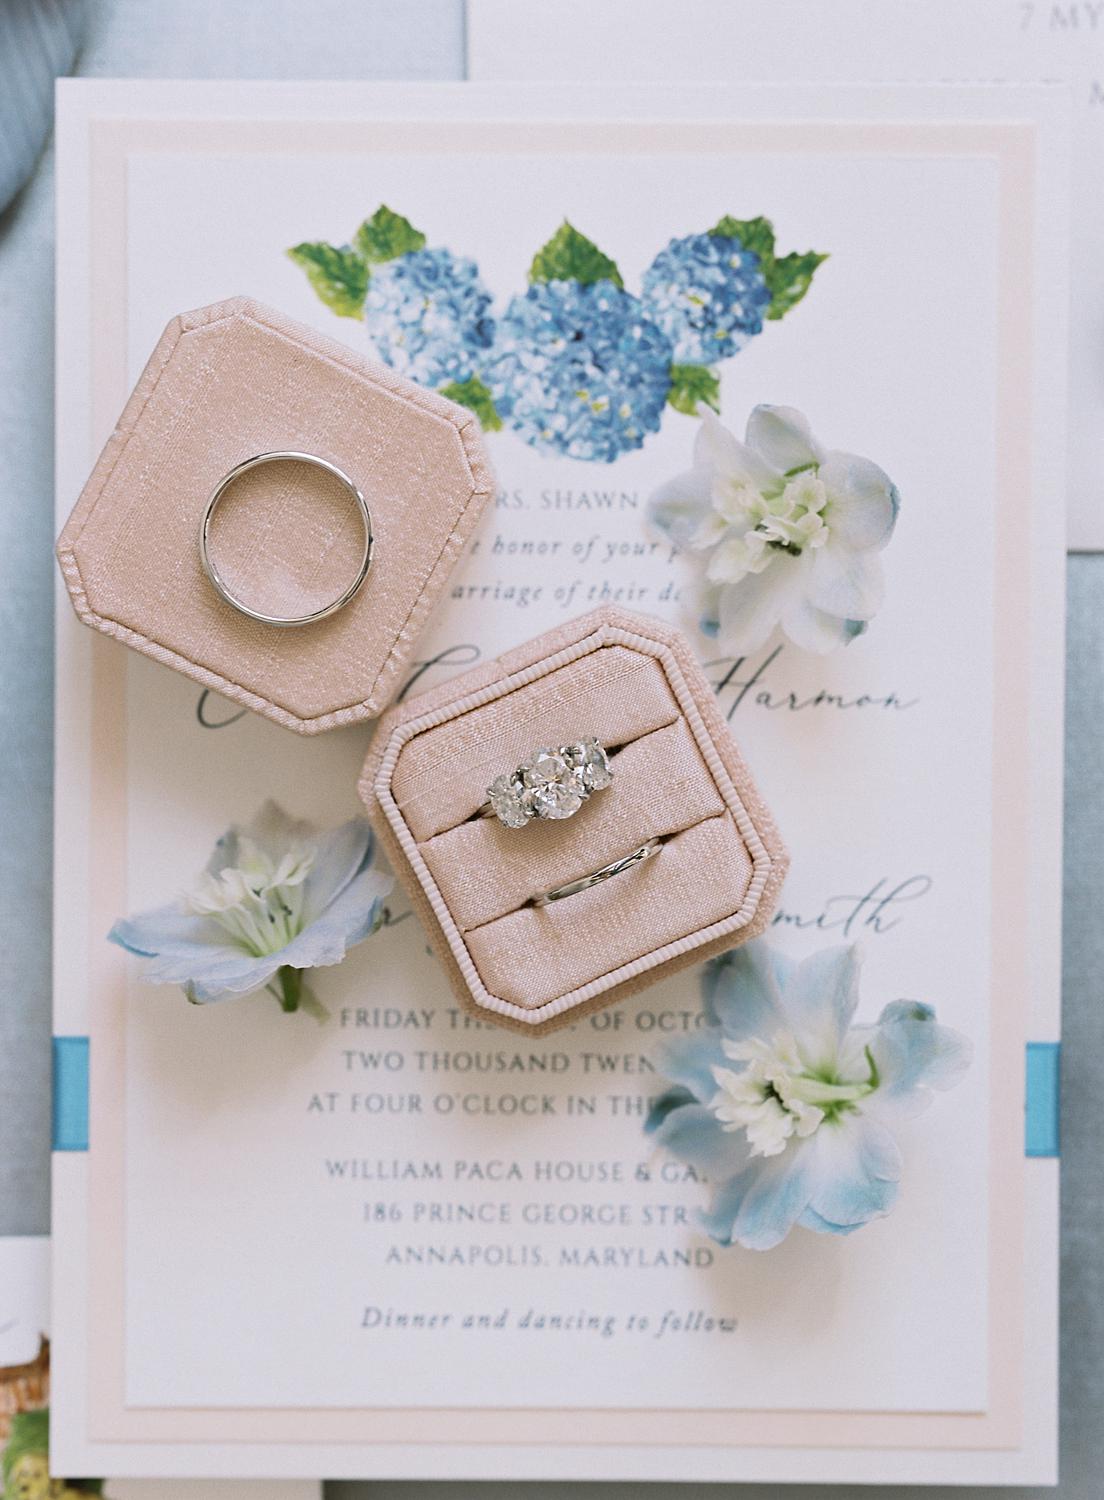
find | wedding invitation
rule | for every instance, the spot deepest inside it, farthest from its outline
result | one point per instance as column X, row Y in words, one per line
column 399, row 1241
column 24, row 1390
column 986, row 41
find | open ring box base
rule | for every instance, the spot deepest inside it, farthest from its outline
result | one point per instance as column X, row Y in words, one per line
column 231, row 381
column 635, row 684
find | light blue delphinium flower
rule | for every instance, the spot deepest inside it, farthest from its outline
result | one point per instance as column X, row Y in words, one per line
column 579, row 369
column 428, row 315
column 785, row 1105
column 708, row 294
column 277, row 898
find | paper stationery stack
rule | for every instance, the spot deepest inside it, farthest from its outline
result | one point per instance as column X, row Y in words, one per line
column 288, row 1248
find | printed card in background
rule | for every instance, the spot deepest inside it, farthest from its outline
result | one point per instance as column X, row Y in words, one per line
column 331, row 1248
column 786, row 41
column 24, row 1398
column 24, row 1297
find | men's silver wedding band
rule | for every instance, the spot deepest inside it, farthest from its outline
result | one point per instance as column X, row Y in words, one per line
column 607, row 872
column 219, row 584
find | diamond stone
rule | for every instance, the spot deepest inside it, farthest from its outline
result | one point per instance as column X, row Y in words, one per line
column 556, row 799
column 545, row 768
column 594, row 765
column 505, row 794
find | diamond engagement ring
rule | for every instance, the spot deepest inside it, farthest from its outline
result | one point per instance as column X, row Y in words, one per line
column 615, row 867
column 550, row 784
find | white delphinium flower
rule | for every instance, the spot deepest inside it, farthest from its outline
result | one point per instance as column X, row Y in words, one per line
column 277, row 899
column 790, row 532
column 786, row 1104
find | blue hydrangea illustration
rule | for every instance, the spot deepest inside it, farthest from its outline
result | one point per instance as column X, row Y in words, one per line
column 708, row 294
column 580, row 370
column 428, row 315
column 577, row 365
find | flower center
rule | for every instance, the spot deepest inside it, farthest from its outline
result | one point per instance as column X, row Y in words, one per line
column 776, row 1096
column 749, row 528
column 258, row 901
column 795, row 517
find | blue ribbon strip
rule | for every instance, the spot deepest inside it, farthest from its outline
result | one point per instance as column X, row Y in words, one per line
column 70, row 1096
column 70, row 1093
column 1043, row 1098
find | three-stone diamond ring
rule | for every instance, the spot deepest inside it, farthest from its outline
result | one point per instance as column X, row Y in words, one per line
column 550, row 784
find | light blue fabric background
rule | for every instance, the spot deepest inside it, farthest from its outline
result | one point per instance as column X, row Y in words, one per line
column 416, row 39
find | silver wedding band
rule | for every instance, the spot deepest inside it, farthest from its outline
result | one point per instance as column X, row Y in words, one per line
column 212, row 572
column 607, row 872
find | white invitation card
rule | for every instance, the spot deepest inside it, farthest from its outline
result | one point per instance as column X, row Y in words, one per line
column 26, row 1436
column 807, row 41
column 397, row 1241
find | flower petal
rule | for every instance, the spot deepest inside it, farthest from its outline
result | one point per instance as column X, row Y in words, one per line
column 863, row 501
column 749, row 610
column 819, row 1000
column 213, row 973
column 709, row 605
column 810, row 1219
column 274, row 831
column 813, row 630
column 846, row 583
column 857, row 1168
column 914, row 1055
column 682, row 506
column 741, row 991
column 339, row 855
column 224, row 855
column 348, row 920
column 783, row 436
column 689, row 1060
column 719, row 451
column 193, row 951
column 663, row 1104
column 168, row 930
column 711, row 531
column 694, row 1135
column 758, row 1208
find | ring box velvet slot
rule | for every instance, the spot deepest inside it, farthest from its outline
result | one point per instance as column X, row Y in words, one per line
column 224, row 384
column 678, row 776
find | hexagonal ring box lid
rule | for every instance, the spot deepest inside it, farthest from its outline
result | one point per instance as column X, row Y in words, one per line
column 224, row 384
column 678, row 779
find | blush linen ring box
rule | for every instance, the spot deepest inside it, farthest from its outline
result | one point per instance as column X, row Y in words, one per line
column 678, row 776
column 228, row 382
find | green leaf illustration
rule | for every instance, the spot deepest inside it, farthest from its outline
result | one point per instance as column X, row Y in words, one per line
column 790, row 278
column 337, row 273
column 387, row 235
column 753, row 234
column 570, row 256
column 691, row 385
column 473, row 394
